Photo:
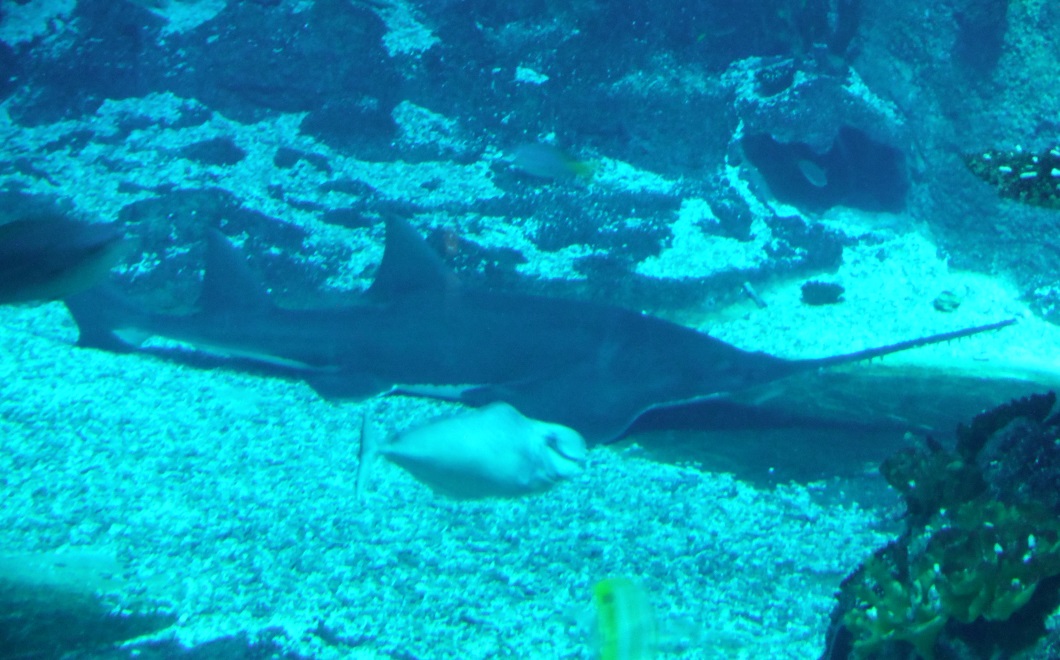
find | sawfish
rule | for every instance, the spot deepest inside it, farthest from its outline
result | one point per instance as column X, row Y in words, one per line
column 419, row 330
column 50, row 257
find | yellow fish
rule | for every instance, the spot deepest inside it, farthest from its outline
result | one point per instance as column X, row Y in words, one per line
column 546, row 161
column 626, row 628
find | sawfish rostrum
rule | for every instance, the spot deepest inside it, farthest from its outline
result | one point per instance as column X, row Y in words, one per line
column 591, row 367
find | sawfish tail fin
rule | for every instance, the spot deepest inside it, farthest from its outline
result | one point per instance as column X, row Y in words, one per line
column 367, row 455
column 880, row 351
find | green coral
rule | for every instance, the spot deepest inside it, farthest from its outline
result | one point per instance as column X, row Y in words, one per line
column 984, row 560
column 931, row 478
column 981, row 547
column 893, row 608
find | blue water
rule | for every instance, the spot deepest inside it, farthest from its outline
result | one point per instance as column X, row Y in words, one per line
column 696, row 161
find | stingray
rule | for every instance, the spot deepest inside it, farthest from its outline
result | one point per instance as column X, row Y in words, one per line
column 418, row 330
column 492, row 451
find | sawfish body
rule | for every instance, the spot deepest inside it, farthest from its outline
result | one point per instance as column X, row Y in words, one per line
column 591, row 367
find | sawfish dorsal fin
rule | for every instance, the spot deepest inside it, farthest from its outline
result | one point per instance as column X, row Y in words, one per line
column 228, row 284
column 409, row 265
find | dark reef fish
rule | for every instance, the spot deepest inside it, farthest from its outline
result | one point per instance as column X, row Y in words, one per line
column 1031, row 178
column 52, row 257
column 594, row 368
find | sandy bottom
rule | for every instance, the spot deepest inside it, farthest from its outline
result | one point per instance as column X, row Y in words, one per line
column 228, row 499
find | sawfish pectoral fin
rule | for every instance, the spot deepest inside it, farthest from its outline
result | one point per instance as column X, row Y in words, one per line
column 347, row 386
column 367, row 455
column 600, row 411
column 98, row 313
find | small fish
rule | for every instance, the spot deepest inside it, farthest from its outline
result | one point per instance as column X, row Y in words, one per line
column 621, row 624
column 814, row 174
column 625, row 621
column 546, row 161
column 492, row 451
column 52, row 257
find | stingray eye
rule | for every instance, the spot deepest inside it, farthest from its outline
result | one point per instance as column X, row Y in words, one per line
column 567, row 450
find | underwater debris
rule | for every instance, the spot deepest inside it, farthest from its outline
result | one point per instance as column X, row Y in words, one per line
column 818, row 293
column 947, row 301
column 978, row 568
column 1030, row 178
column 753, row 295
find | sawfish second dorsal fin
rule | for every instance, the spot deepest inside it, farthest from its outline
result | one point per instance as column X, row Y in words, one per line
column 409, row 265
column 228, row 284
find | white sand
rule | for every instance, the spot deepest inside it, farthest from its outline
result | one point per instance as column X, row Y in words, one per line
column 229, row 497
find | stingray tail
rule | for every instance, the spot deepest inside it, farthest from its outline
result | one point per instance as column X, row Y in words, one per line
column 368, row 453
column 880, row 351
